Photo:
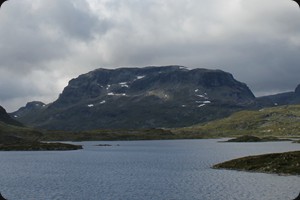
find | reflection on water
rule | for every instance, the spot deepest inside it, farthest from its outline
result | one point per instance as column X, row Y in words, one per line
column 143, row 170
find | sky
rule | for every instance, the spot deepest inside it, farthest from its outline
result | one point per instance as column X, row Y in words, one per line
column 45, row 43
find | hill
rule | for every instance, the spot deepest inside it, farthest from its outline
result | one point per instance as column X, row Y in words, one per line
column 278, row 163
column 283, row 121
column 5, row 118
column 141, row 98
column 14, row 136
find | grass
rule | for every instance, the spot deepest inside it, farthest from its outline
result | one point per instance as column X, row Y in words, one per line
column 279, row 163
column 38, row 146
column 281, row 121
column 14, row 138
column 250, row 138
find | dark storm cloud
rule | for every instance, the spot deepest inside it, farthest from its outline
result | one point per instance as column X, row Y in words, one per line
column 33, row 36
column 44, row 43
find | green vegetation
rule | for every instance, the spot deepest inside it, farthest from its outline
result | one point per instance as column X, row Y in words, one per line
column 283, row 121
column 250, row 138
column 15, row 138
column 38, row 146
column 117, row 134
column 280, row 163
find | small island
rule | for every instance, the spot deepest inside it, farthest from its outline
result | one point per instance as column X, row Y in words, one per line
column 39, row 146
column 103, row 145
column 250, row 138
column 287, row 163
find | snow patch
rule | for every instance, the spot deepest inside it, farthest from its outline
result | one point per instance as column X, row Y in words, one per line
column 102, row 102
column 16, row 116
column 202, row 95
column 203, row 102
column 183, row 106
column 201, row 105
column 124, row 84
column 90, row 105
column 113, row 94
column 140, row 77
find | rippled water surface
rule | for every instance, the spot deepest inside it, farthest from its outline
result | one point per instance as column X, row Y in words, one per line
column 143, row 170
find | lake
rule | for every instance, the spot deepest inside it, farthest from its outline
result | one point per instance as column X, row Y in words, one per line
column 143, row 170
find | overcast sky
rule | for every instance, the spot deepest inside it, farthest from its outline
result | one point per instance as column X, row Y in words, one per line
column 45, row 43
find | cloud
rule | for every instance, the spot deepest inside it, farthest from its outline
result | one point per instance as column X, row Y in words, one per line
column 44, row 43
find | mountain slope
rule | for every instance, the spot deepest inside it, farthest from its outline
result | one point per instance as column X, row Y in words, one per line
column 281, row 121
column 286, row 98
column 149, row 97
column 29, row 112
column 5, row 118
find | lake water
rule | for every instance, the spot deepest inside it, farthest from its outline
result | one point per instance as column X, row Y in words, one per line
column 143, row 170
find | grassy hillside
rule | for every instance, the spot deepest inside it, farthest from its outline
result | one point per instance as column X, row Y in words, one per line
column 112, row 134
column 20, row 132
column 15, row 138
column 283, row 121
column 279, row 163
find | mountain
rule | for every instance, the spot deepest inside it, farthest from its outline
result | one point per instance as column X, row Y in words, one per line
column 27, row 113
column 149, row 97
column 286, row 98
column 5, row 118
column 282, row 121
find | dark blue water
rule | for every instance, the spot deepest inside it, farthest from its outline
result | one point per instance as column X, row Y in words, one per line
column 143, row 170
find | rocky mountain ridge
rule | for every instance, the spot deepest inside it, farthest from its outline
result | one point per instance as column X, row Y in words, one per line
column 286, row 98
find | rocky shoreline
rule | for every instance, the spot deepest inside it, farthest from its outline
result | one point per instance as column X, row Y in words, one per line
column 39, row 146
column 13, row 143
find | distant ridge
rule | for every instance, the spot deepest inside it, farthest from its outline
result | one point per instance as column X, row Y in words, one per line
column 286, row 98
column 5, row 118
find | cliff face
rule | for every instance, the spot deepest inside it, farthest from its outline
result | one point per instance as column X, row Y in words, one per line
column 170, row 96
